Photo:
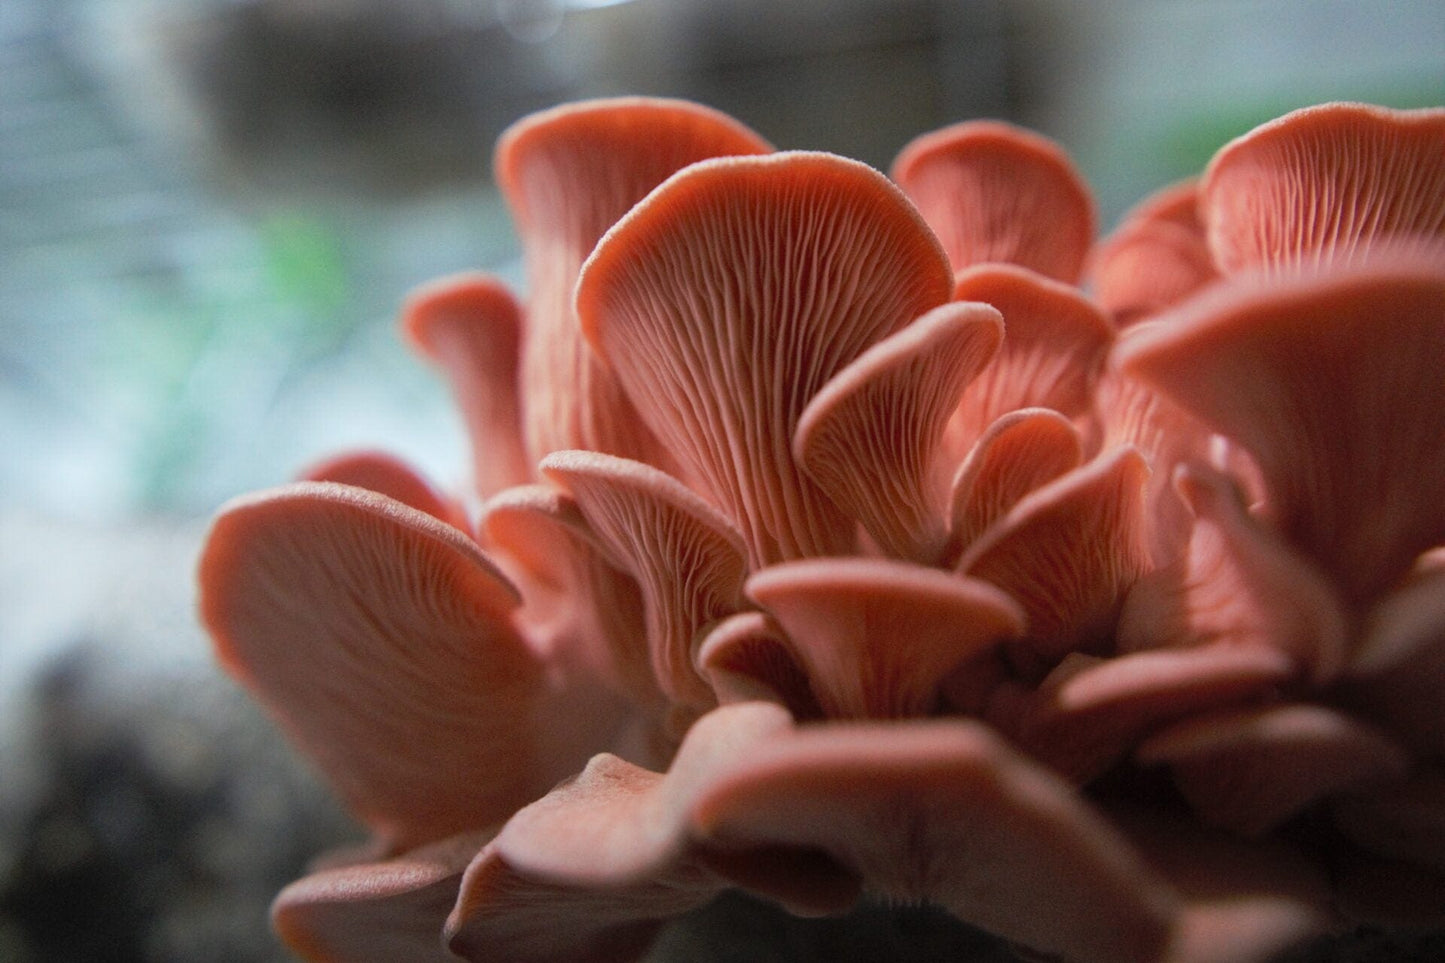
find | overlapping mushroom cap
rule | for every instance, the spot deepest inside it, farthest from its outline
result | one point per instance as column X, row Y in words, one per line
column 856, row 566
column 1317, row 355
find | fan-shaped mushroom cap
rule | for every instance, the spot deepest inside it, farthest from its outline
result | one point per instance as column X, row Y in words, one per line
column 470, row 326
column 1054, row 346
column 947, row 812
column 1068, row 552
column 870, row 438
column 632, row 820
column 1331, row 382
column 382, row 641
column 995, row 192
column 507, row 916
column 590, row 871
column 730, row 296
column 1157, row 256
column 748, row 657
column 689, row 561
column 1021, row 451
column 1090, row 712
column 1325, row 183
column 1176, row 203
column 876, row 637
column 568, row 174
column 581, row 610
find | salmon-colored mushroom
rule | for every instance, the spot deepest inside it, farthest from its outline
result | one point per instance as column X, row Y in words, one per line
column 996, row 192
column 836, row 548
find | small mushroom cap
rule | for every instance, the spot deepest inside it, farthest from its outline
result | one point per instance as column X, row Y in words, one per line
column 582, row 610
column 1020, row 452
column 871, row 438
column 470, row 326
column 1068, row 552
column 609, row 152
column 1131, row 412
column 387, row 475
column 1055, row 343
column 748, row 657
column 688, row 559
column 1089, row 712
column 996, row 192
column 876, row 637
column 1156, row 257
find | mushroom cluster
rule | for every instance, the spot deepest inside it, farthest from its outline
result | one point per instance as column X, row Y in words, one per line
column 837, row 535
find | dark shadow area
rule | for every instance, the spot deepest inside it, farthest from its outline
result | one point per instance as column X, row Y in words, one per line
column 151, row 826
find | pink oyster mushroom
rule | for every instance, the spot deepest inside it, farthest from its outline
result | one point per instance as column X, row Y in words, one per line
column 834, row 543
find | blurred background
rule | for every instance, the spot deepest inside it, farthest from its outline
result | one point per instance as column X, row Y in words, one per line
column 209, row 212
